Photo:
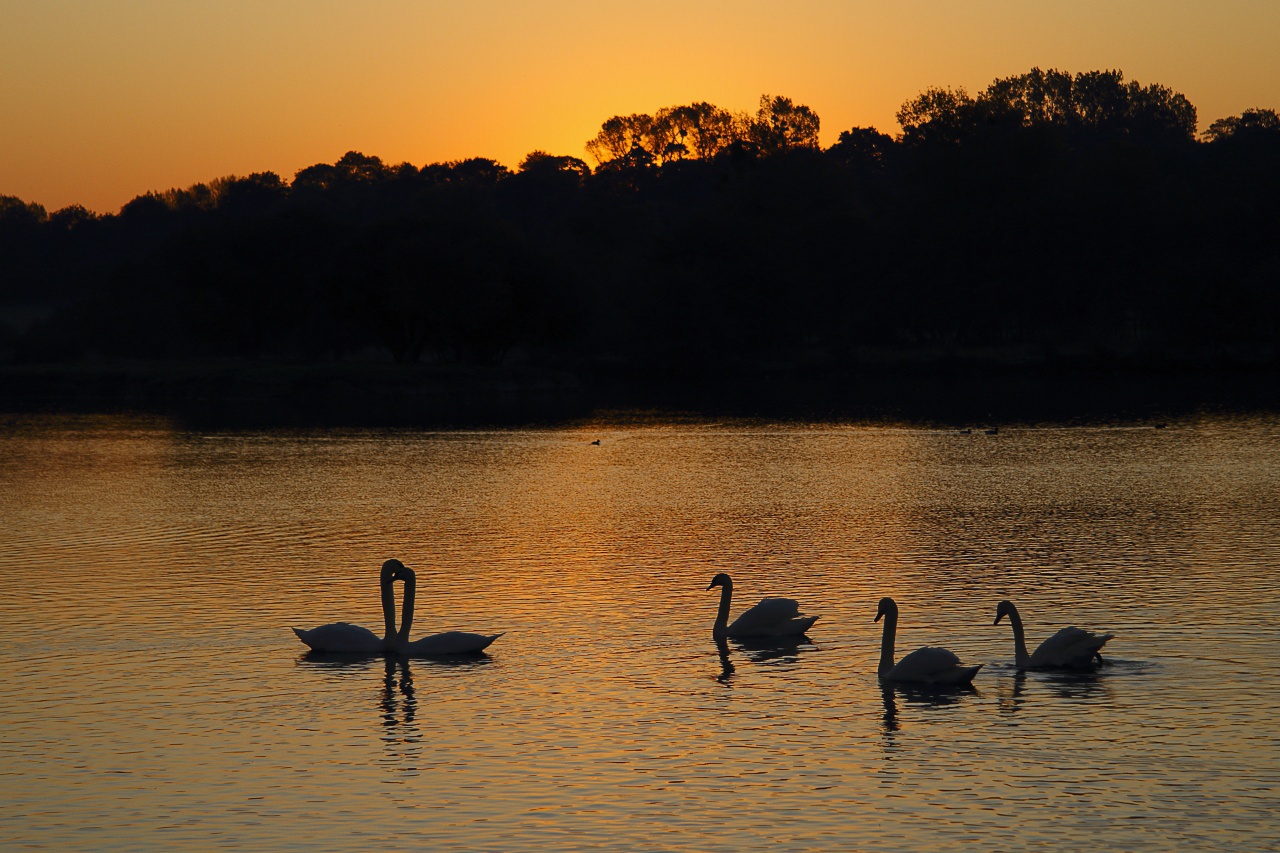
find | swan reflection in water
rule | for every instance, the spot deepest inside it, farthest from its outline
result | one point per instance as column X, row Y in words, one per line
column 397, row 697
column 401, row 737
column 726, row 665
column 1085, row 685
column 1009, row 698
column 1017, row 690
column 772, row 651
column 926, row 697
column 399, row 705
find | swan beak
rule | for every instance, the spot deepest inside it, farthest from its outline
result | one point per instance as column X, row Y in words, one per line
column 997, row 622
column 710, row 585
column 878, row 615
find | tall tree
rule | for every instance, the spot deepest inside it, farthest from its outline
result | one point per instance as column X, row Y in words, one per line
column 619, row 136
column 780, row 125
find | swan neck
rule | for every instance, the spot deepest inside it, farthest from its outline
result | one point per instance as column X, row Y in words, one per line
column 1019, row 638
column 887, row 640
column 389, row 609
column 406, row 610
column 722, row 615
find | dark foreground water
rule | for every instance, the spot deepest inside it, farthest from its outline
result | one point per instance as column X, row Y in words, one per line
column 154, row 696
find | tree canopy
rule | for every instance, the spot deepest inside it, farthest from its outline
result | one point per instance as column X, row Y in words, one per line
column 1057, row 215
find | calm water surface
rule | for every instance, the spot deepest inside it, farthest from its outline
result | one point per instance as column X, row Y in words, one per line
column 153, row 694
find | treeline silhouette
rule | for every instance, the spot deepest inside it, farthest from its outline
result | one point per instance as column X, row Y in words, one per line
column 1050, row 219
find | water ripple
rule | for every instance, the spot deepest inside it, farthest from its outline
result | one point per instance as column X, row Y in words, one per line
column 186, row 714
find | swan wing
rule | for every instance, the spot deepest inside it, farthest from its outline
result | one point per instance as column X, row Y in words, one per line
column 1070, row 647
column 341, row 637
column 927, row 659
column 932, row 665
column 765, row 617
column 449, row 643
column 795, row 627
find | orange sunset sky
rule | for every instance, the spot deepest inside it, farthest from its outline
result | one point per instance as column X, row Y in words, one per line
column 103, row 100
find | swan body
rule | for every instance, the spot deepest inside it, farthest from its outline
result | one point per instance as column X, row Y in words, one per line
column 1070, row 648
column 341, row 637
column 927, row 665
column 772, row 617
column 345, row 638
column 447, row 643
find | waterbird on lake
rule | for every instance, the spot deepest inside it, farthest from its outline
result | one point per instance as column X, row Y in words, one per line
column 772, row 617
column 1070, row 648
column 447, row 643
column 345, row 638
column 927, row 665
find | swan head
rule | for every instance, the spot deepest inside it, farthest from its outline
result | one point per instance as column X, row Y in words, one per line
column 888, row 607
column 391, row 570
column 1003, row 609
column 721, row 580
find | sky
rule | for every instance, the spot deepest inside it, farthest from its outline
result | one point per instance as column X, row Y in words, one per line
column 104, row 100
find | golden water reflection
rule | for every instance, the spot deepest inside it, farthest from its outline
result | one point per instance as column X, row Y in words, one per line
column 607, row 716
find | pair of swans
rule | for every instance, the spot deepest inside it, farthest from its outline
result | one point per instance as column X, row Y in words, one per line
column 1069, row 648
column 345, row 638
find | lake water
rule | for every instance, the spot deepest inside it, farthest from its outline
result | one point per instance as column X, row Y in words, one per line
column 153, row 694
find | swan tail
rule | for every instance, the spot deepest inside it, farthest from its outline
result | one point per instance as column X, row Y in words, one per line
column 802, row 625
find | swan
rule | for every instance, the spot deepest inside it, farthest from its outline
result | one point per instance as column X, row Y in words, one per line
column 772, row 617
column 928, row 665
column 1072, row 648
column 448, row 643
column 346, row 638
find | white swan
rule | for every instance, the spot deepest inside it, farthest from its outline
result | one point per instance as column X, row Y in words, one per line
column 448, row 643
column 1070, row 648
column 772, row 617
column 928, row 665
column 346, row 638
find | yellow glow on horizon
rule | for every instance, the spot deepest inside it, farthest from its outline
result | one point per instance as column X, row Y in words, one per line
column 104, row 102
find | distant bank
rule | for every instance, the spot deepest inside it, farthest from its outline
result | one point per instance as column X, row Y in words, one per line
column 944, row 392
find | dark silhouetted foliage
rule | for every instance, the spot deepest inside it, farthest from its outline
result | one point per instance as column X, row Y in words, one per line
column 1054, row 218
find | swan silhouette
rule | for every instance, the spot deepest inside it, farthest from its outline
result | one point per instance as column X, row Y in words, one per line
column 447, row 643
column 1070, row 648
column 927, row 665
column 772, row 617
column 343, row 637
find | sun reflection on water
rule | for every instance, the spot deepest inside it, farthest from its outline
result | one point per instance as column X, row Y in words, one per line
column 175, row 563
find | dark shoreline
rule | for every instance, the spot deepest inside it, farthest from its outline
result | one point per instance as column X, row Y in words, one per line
column 247, row 395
